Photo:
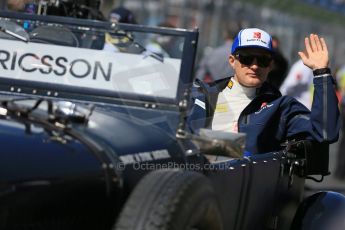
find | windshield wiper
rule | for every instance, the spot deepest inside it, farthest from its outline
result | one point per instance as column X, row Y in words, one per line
column 13, row 34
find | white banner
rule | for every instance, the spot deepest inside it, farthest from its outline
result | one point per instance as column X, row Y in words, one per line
column 97, row 69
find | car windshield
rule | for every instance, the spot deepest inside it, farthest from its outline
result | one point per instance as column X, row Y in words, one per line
column 98, row 58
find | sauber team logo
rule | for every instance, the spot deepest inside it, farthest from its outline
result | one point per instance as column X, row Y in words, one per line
column 264, row 105
column 257, row 35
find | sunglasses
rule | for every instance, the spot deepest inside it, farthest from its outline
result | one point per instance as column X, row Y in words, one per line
column 247, row 59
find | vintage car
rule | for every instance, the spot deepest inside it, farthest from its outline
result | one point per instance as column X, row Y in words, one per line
column 93, row 136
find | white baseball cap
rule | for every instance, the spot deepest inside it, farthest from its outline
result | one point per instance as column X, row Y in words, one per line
column 252, row 38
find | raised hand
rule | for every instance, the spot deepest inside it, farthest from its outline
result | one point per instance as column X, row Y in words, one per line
column 315, row 55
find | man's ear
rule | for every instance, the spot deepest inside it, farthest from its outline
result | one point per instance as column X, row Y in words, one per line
column 232, row 61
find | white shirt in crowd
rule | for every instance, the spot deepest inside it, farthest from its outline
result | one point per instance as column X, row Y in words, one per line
column 298, row 83
column 231, row 102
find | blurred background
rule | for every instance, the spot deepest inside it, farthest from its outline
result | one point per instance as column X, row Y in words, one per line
column 289, row 20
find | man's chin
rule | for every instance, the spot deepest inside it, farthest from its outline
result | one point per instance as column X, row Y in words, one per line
column 254, row 83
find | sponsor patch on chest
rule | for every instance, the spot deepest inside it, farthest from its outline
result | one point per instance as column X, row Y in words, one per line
column 264, row 105
column 222, row 108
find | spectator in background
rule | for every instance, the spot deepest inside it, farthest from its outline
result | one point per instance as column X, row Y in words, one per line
column 118, row 15
column 298, row 83
column 214, row 65
column 122, row 15
column 340, row 167
column 280, row 65
column 165, row 46
column 340, row 75
column 17, row 5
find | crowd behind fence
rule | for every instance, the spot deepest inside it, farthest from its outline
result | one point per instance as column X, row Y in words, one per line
column 213, row 17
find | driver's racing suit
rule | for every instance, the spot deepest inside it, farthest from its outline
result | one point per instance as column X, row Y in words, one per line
column 270, row 118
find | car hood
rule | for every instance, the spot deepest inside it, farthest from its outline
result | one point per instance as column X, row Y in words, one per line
column 27, row 152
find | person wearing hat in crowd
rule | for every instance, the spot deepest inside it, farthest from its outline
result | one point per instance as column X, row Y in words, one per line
column 246, row 103
column 118, row 15
column 122, row 15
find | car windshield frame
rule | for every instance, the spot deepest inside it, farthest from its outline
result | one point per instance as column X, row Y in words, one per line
column 43, row 89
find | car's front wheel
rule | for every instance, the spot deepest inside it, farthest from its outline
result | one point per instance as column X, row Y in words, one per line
column 171, row 200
